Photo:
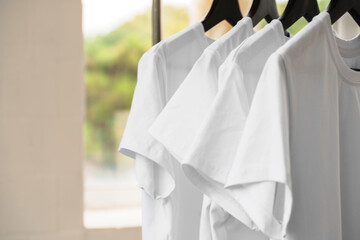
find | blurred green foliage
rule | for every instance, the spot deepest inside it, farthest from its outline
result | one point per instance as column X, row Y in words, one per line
column 110, row 79
column 111, row 66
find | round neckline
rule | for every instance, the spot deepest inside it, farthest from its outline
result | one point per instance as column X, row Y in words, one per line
column 233, row 32
column 339, row 48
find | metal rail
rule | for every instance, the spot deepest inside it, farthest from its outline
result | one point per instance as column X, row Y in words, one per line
column 156, row 21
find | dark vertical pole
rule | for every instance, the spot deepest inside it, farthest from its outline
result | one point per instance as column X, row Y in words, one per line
column 156, row 22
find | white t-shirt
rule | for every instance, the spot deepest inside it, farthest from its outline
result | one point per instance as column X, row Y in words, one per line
column 213, row 151
column 174, row 205
column 303, row 131
column 177, row 124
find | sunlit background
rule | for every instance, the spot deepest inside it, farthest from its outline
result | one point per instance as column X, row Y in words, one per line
column 67, row 77
column 116, row 34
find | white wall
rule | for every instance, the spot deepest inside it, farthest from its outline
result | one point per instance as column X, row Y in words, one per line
column 41, row 116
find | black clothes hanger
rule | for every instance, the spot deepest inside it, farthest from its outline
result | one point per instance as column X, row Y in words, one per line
column 220, row 10
column 295, row 9
column 263, row 9
column 211, row 10
column 337, row 8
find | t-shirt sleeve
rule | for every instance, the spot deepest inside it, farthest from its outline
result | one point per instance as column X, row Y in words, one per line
column 262, row 162
column 210, row 157
column 153, row 167
column 215, row 144
column 177, row 124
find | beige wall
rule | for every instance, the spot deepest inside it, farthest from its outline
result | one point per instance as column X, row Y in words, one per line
column 41, row 116
column 42, row 106
column 114, row 234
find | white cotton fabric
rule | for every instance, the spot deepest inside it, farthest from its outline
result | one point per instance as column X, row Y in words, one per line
column 213, row 151
column 182, row 117
column 176, row 125
column 171, row 206
column 303, row 132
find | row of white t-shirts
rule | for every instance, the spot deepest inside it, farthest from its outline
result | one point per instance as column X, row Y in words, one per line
column 213, row 151
column 303, row 131
column 265, row 150
column 210, row 134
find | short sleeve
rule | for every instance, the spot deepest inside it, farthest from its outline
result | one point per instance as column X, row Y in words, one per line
column 210, row 156
column 154, row 169
column 177, row 124
column 216, row 141
column 263, row 157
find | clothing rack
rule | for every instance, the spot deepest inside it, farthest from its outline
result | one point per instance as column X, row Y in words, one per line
column 156, row 21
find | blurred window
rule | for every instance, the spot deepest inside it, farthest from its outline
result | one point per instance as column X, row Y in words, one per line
column 116, row 34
